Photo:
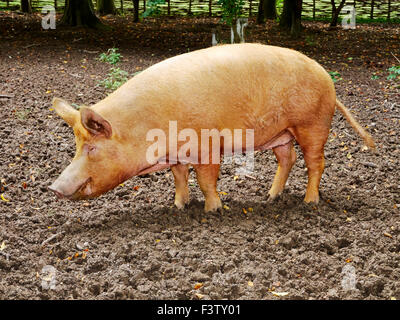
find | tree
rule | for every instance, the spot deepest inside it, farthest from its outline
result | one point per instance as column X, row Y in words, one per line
column 135, row 10
column 336, row 11
column 106, row 7
column 26, row 6
column 270, row 9
column 291, row 16
column 266, row 9
column 80, row 13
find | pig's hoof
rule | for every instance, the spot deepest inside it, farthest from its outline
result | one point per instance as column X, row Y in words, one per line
column 181, row 204
column 213, row 205
column 314, row 198
column 273, row 198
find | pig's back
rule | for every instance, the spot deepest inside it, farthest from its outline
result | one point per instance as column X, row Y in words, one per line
column 229, row 85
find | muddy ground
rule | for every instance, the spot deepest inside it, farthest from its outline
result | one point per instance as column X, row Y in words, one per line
column 133, row 244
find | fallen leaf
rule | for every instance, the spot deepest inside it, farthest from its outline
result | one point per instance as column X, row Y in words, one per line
column 198, row 285
column 4, row 199
column 3, row 246
column 279, row 294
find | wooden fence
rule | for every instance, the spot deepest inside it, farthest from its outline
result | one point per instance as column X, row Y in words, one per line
column 372, row 9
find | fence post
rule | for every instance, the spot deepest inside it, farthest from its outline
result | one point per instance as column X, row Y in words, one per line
column 372, row 9
column 250, row 7
column 313, row 9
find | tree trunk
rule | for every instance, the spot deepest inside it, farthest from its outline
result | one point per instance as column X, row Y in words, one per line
column 122, row 6
column 136, row 10
column 260, row 13
column 336, row 11
column 105, row 7
column 270, row 9
column 26, row 6
column 291, row 16
column 80, row 13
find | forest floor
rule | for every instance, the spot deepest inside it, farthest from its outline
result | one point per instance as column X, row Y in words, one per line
column 131, row 243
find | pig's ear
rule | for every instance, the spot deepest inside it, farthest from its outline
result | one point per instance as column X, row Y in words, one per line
column 65, row 111
column 95, row 123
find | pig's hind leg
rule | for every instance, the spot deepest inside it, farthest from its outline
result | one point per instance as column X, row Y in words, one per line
column 181, row 175
column 312, row 140
column 286, row 156
column 207, row 176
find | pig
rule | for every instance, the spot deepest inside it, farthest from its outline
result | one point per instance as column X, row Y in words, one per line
column 279, row 93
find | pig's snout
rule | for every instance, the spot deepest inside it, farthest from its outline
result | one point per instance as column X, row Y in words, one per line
column 56, row 192
column 67, row 190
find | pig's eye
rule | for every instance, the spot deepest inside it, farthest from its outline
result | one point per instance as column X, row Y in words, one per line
column 89, row 148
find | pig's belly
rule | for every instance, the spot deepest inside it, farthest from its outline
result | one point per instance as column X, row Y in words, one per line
column 280, row 139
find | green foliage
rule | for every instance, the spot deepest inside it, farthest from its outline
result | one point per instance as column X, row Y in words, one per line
column 394, row 73
column 335, row 76
column 152, row 8
column 231, row 10
column 111, row 56
column 115, row 78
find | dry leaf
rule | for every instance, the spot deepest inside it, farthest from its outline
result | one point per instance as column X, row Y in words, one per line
column 279, row 294
column 198, row 285
column 388, row 235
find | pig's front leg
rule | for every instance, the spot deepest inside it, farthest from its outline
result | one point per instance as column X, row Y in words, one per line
column 207, row 175
column 181, row 175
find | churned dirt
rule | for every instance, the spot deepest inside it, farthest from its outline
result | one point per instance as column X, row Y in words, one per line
column 131, row 243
